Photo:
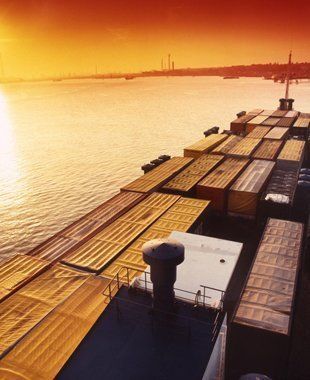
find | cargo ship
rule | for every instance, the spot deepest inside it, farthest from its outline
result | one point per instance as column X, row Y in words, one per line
column 192, row 271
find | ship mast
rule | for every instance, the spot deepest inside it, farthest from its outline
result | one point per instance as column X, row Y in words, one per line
column 288, row 76
column 287, row 103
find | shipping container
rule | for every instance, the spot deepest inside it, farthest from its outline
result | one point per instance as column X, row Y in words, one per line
column 245, row 148
column 17, row 271
column 238, row 125
column 291, row 114
column 291, row 155
column 186, row 215
column 286, row 122
column 184, row 183
column 245, row 193
column 278, row 199
column 304, row 115
column 302, row 122
column 301, row 126
column 158, row 176
column 258, row 120
column 279, row 113
column 277, row 133
column 226, row 145
column 215, row 186
column 115, row 238
column 267, row 113
column 45, row 349
column 205, row 145
column 271, row 121
column 258, row 132
column 259, row 335
column 268, row 150
column 83, row 229
column 24, row 309
column 256, row 111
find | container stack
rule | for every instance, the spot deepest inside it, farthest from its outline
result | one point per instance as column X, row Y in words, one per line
column 215, row 186
column 292, row 113
column 267, row 112
column 256, row 111
column 258, row 120
column 286, row 122
column 279, row 113
column 278, row 199
column 244, row 148
column 302, row 125
column 185, row 182
column 268, row 150
column 245, row 193
column 204, row 145
column 277, row 133
column 259, row 335
column 271, row 118
column 226, row 145
column 158, row 176
column 271, row 121
column 292, row 154
column 238, row 126
column 259, row 132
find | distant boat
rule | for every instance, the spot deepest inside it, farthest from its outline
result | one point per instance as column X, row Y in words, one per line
column 57, row 80
column 231, row 77
column 129, row 77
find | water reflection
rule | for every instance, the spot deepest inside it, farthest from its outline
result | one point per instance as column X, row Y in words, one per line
column 9, row 170
column 66, row 147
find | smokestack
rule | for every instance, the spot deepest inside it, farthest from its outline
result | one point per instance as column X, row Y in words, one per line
column 169, row 61
column 163, row 256
column 283, row 105
column 172, row 65
column 290, row 102
column 162, row 64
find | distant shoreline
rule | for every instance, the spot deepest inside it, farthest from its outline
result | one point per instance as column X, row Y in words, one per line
column 267, row 71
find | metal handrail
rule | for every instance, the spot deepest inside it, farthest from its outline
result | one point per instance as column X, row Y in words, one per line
column 116, row 283
column 118, row 279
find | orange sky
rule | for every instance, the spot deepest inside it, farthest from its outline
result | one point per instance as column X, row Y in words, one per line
column 40, row 37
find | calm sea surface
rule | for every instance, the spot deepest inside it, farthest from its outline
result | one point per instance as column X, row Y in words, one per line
column 65, row 147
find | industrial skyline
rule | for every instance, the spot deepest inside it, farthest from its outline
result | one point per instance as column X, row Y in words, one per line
column 167, row 65
column 48, row 37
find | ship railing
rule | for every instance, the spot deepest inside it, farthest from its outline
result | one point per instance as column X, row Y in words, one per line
column 142, row 280
column 123, row 276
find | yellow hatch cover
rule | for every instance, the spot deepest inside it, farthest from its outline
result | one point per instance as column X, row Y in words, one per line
column 43, row 352
column 110, row 242
column 180, row 217
column 24, row 309
column 17, row 271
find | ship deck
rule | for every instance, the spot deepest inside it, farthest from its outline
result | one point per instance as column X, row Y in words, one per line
column 56, row 317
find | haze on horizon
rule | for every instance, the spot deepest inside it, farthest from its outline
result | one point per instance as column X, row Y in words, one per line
column 48, row 37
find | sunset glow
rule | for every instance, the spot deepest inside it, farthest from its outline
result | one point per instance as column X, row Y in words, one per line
column 51, row 37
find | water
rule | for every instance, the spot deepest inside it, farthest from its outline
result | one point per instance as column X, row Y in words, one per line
column 65, row 147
